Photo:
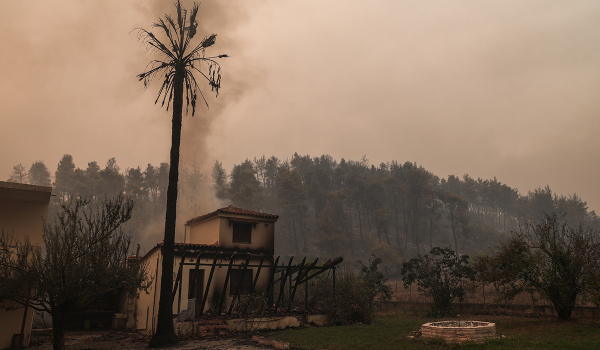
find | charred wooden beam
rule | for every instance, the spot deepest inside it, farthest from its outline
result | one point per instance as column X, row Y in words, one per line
column 271, row 283
column 282, row 284
column 236, row 295
column 224, row 292
column 178, row 275
column 210, row 276
column 295, row 285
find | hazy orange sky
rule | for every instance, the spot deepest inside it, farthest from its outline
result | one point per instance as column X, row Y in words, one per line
column 490, row 88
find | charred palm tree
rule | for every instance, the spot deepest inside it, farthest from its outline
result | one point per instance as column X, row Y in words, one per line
column 180, row 60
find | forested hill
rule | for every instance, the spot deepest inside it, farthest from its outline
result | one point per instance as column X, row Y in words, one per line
column 327, row 207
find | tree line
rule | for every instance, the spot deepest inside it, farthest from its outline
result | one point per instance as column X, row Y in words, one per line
column 147, row 187
column 326, row 207
column 394, row 210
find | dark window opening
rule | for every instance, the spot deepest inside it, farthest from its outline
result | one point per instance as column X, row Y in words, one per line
column 242, row 232
column 246, row 283
column 196, row 287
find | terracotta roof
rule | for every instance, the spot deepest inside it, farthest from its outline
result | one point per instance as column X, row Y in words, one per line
column 196, row 245
column 193, row 246
column 235, row 211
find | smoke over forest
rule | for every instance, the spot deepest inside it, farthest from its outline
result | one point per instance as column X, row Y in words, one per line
column 327, row 207
column 506, row 89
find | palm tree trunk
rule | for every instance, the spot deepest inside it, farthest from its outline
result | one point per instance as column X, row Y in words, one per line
column 165, row 333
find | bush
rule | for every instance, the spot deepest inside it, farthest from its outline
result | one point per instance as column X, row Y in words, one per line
column 440, row 276
column 354, row 298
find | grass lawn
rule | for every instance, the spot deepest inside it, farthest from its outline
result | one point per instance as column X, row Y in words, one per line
column 393, row 332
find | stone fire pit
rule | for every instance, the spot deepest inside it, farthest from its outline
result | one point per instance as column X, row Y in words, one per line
column 467, row 330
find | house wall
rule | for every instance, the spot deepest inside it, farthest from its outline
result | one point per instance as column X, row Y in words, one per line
column 217, row 229
column 146, row 310
column 23, row 210
column 218, row 280
column 262, row 237
column 24, row 219
column 146, row 305
column 206, row 232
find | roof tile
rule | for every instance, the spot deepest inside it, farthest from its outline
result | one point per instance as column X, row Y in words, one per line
column 232, row 210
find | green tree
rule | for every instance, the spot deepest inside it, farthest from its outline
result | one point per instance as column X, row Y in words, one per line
column 180, row 60
column 271, row 170
column 39, row 174
column 244, row 189
column 111, row 180
column 150, row 182
column 134, row 183
column 292, row 200
column 81, row 184
column 417, row 193
column 219, row 176
column 374, row 281
column 92, row 172
column 440, row 275
column 83, row 258
column 457, row 209
column 334, row 228
column 63, row 177
column 551, row 258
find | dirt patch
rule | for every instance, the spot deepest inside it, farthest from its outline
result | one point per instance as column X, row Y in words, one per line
column 110, row 340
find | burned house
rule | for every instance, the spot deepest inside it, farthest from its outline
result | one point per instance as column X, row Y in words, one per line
column 226, row 253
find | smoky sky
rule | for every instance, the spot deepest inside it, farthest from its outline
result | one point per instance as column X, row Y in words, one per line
column 505, row 89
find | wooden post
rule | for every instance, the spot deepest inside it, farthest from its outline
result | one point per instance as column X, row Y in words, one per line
column 284, row 274
column 271, row 284
column 177, row 279
column 210, row 276
column 306, row 297
column 334, row 280
column 224, row 292
column 297, row 283
column 236, row 295
column 290, row 290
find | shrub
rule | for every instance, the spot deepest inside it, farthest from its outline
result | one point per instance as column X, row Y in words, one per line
column 440, row 275
column 354, row 297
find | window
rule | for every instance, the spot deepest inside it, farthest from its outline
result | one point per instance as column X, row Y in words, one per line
column 234, row 281
column 242, row 232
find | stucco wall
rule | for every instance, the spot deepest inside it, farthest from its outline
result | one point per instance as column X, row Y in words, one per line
column 218, row 280
column 23, row 210
column 146, row 308
column 263, row 235
column 147, row 304
column 206, row 232
column 23, row 219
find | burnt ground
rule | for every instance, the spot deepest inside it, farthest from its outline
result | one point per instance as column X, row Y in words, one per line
column 113, row 340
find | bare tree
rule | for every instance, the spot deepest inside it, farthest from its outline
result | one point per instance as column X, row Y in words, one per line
column 179, row 63
column 19, row 174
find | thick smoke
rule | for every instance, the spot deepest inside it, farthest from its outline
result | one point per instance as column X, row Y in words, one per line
column 214, row 17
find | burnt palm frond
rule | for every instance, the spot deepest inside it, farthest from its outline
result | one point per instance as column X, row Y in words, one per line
column 175, row 48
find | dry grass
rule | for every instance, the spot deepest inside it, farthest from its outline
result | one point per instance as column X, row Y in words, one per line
column 481, row 295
